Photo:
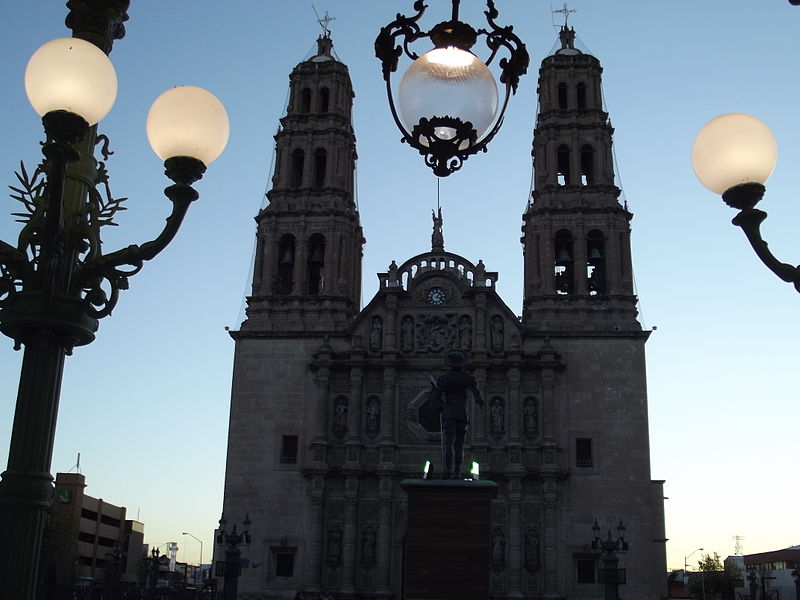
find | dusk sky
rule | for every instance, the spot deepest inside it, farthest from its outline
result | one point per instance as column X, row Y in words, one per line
column 146, row 405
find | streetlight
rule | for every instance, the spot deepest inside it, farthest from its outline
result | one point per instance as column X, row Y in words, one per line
column 686, row 565
column 56, row 283
column 734, row 155
column 201, row 552
column 610, row 575
column 448, row 101
column 232, row 566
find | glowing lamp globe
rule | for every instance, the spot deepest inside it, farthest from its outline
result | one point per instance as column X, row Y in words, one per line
column 733, row 149
column 73, row 75
column 188, row 121
column 448, row 82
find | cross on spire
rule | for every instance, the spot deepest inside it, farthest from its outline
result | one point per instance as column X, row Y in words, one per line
column 325, row 21
column 566, row 12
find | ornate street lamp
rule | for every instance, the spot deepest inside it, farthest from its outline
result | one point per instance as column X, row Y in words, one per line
column 447, row 99
column 734, row 155
column 232, row 566
column 56, row 283
column 610, row 575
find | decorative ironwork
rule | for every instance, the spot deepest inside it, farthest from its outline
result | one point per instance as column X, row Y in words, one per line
column 744, row 197
column 445, row 156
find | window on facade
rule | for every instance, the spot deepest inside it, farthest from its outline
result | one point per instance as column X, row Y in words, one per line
column 324, row 100
column 305, row 100
column 104, row 541
column 85, row 561
column 581, row 95
column 86, row 537
column 89, row 514
column 320, row 163
column 284, row 563
column 583, row 452
column 562, row 95
column 585, row 570
column 289, row 449
column 587, row 165
column 296, row 173
column 562, row 165
column 109, row 521
column 564, row 263
column 316, row 260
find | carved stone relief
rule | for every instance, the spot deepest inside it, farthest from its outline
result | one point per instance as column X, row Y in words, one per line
column 530, row 416
column 531, row 549
column 339, row 421
column 372, row 425
column 498, row 549
column 465, row 333
column 368, row 537
column 334, row 547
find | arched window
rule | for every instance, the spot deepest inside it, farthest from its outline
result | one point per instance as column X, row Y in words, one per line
column 305, row 100
column 587, row 165
column 284, row 280
column 296, row 174
column 564, row 263
column 581, row 95
column 320, row 163
column 562, row 95
column 596, row 262
column 324, row 100
column 562, row 166
column 316, row 260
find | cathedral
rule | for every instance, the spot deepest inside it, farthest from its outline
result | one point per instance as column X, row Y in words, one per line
column 331, row 406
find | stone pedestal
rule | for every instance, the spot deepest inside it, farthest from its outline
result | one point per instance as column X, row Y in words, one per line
column 447, row 553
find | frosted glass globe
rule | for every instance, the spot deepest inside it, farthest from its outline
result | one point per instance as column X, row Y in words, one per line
column 73, row 75
column 188, row 121
column 733, row 149
column 448, row 82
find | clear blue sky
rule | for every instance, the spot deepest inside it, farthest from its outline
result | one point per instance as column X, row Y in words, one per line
column 146, row 405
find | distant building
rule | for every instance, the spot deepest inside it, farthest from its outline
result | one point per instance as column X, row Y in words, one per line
column 89, row 540
column 772, row 571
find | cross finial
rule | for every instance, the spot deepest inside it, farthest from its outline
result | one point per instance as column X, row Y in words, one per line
column 566, row 12
column 324, row 21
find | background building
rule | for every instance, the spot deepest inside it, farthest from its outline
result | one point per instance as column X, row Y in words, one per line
column 330, row 403
column 89, row 540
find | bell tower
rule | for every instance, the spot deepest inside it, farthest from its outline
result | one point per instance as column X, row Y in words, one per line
column 307, row 274
column 576, row 233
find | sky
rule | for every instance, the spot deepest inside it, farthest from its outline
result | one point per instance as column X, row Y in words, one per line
column 146, row 405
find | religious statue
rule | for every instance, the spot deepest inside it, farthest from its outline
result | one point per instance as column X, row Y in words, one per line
column 497, row 412
column 437, row 237
column 376, row 334
column 451, row 390
column 334, row 546
column 368, row 547
column 373, row 417
column 407, row 334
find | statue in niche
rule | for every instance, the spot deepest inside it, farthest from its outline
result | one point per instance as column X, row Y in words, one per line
column 531, row 549
column 339, row 417
column 373, row 418
column 334, row 547
column 376, row 334
column 368, row 547
column 407, row 334
column 498, row 548
column 530, row 416
column 497, row 333
column 465, row 332
column 498, row 420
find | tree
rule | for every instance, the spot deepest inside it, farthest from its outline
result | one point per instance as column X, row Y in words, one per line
column 713, row 578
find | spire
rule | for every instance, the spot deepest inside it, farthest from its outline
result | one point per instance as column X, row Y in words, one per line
column 437, row 237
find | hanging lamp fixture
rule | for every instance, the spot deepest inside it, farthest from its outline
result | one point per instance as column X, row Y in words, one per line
column 448, row 107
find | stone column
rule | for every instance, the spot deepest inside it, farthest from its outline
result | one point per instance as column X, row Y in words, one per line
column 317, row 534
column 384, row 536
column 388, row 410
column 354, row 425
column 515, row 558
column 349, row 535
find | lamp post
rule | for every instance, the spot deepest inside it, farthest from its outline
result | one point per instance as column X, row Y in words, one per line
column 232, row 568
column 686, row 565
column 201, row 552
column 448, row 102
column 56, row 283
column 610, row 575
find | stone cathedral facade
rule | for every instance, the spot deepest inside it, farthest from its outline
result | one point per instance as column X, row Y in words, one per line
column 330, row 401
